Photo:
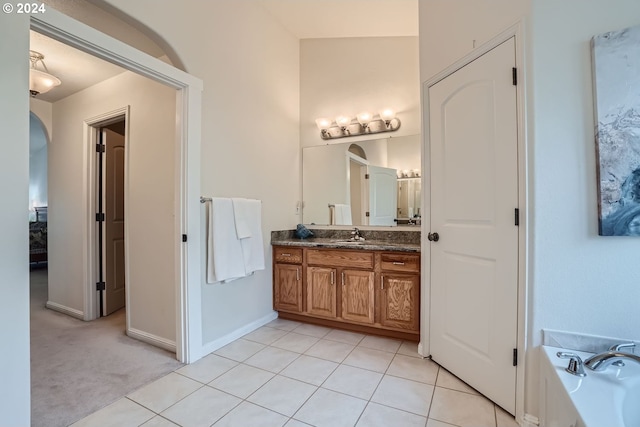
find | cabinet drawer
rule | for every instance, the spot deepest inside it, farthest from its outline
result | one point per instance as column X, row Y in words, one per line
column 287, row 255
column 400, row 262
column 335, row 258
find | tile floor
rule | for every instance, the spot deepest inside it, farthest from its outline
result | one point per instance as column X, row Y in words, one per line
column 292, row 374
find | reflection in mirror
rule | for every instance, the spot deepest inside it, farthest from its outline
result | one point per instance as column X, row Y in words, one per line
column 373, row 182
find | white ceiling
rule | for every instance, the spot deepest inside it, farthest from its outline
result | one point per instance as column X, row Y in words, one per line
column 303, row 18
column 77, row 70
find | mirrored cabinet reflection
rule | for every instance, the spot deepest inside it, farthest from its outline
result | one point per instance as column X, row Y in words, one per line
column 409, row 200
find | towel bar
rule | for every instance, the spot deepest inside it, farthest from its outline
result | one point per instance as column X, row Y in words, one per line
column 205, row 199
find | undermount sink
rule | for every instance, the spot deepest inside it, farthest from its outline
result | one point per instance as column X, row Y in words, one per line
column 349, row 241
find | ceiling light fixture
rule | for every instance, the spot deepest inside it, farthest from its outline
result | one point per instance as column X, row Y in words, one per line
column 40, row 81
column 366, row 124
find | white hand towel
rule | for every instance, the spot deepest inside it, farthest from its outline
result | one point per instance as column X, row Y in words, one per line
column 225, row 260
column 242, row 213
column 253, row 247
column 343, row 214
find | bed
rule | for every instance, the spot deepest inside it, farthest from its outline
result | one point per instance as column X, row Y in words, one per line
column 38, row 236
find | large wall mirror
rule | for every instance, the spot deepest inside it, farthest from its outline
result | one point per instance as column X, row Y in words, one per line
column 375, row 182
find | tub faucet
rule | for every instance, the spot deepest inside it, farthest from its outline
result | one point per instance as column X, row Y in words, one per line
column 614, row 356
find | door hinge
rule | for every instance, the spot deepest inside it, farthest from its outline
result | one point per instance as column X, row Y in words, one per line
column 100, row 148
column 100, row 286
column 515, row 357
column 515, row 76
column 366, row 176
column 184, row 237
column 366, row 214
column 517, row 217
column 100, row 217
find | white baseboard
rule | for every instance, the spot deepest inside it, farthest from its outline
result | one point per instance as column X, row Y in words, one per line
column 152, row 339
column 529, row 420
column 212, row 346
column 66, row 310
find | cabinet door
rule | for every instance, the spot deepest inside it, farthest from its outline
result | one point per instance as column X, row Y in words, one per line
column 321, row 291
column 357, row 295
column 288, row 287
column 399, row 301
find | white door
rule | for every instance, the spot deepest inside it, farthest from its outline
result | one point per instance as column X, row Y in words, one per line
column 383, row 195
column 474, row 194
column 114, row 256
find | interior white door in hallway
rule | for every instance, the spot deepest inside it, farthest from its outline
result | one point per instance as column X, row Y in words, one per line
column 383, row 195
column 474, row 196
column 114, row 243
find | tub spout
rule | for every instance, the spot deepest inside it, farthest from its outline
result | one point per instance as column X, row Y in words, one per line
column 600, row 361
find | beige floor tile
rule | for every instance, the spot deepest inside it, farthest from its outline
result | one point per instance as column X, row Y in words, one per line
column 239, row 350
column 296, row 423
column 313, row 330
column 284, row 324
column 272, row 359
column 504, row 419
column 297, row 343
column 283, row 395
column 346, row 337
column 380, row 343
column 121, row 413
column 412, row 368
column 309, row 369
column 376, row 415
column 353, row 381
column 159, row 421
column 247, row 414
column 435, row 423
column 242, row 380
column 406, row 395
column 207, row 369
column 447, row 380
column 462, row 409
column 409, row 348
column 265, row 335
column 202, row 408
column 368, row 358
column 327, row 408
column 166, row 391
column 330, row 350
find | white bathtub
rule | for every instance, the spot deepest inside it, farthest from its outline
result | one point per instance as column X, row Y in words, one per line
column 610, row 398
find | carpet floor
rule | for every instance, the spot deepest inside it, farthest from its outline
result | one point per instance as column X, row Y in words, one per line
column 79, row 367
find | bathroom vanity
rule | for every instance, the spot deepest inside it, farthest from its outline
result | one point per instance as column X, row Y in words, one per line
column 370, row 286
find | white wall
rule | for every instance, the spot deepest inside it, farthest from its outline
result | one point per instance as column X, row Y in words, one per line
column 150, row 200
column 448, row 28
column 403, row 153
column 582, row 282
column 250, row 136
column 15, row 385
column 349, row 75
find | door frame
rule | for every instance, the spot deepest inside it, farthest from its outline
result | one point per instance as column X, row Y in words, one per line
column 187, row 255
column 516, row 31
column 91, row 129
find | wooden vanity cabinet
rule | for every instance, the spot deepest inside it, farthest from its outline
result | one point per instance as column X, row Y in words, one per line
column 287, row 279
column 361, row 290
column 400, row 291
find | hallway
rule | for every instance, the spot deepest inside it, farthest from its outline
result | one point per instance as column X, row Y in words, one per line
column 79, row 367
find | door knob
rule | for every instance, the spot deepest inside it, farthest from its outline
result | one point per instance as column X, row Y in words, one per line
column 433, row 237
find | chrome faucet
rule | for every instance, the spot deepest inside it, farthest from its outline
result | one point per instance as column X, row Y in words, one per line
column 614, row 356
column 355, row 234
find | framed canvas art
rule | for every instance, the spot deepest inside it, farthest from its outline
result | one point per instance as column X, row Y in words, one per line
column 616, row 71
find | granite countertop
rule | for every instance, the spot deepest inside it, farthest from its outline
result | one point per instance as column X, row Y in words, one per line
column 403, row 241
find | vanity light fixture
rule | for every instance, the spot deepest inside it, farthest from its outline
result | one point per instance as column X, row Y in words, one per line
column 40, row 81
column 365, row 124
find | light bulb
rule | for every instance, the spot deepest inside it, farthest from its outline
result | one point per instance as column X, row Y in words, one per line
column 323, row 123
column 387, row 115
column 343, row 121
column 364, row 118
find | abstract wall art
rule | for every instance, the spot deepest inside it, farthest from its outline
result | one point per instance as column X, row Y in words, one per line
column 616, row 71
